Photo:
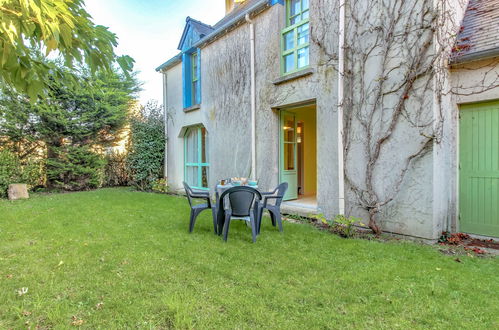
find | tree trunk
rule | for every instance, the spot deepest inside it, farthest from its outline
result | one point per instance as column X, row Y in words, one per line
column 372, row 221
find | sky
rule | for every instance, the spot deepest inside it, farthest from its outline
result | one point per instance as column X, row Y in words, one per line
column 150, row 30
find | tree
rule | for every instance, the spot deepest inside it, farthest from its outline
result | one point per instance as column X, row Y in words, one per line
column 29, row 28
column 72, row 122
column 147, row 146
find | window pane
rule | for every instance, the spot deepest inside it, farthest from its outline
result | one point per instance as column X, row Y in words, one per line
column 304, row 15
column 303, row 57
column 289, row 62
column 191, row 147
column 204, row 146
column 304, row 5
column 194, row 61
column 289, row 40
column 303, row 35
column 191, row 176
column 295, row 7
column 295, row 19
column 194, row 94
column 289, row 156
column 288, row 129
column 204, row 177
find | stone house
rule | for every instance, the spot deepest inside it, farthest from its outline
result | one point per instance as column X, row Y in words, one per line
column 256, row 95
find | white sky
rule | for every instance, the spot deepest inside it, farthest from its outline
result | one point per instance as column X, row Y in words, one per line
column 149, row 31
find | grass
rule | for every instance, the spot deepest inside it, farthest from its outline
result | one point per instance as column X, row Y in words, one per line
column 115, row 258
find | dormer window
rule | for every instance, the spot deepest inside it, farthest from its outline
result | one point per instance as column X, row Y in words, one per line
column 194, row 31
column 191, row 63
column 295, row 42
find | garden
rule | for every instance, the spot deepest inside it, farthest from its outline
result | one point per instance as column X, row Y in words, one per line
column 119, row 258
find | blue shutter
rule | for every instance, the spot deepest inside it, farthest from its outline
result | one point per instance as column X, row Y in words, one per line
column 186, row 79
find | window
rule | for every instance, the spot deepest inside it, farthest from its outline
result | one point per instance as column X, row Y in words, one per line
column 295, row 37
column 194, row 78
column 191, row 78
column 196, row 157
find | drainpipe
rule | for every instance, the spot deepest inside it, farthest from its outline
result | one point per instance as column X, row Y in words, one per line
column 165, row 120
column 341, row 82
column 253, row 98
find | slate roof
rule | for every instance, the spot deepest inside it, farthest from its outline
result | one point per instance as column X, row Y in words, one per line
column 231, row 19
column 479, row 33
column 200, row 28
column 240, row 7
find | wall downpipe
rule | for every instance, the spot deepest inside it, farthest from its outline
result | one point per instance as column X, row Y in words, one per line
column 341, row 82
column 165, row 120
column 253, row 97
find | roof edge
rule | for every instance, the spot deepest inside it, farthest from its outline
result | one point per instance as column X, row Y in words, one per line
column 220, row 30
column 260, row 5
column 171, row 62
column 482, row 55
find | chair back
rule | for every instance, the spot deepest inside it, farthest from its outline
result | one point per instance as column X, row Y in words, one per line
column 281, row 190
column 188, row 192
column 241, row 199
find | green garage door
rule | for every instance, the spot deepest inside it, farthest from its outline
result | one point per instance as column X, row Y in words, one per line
column 479, row 169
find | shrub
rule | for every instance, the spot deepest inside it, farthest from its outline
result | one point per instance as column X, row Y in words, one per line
column 344, row 226
column 116, row 172
column 13, row 170
column 147, row 147
column 74, row 168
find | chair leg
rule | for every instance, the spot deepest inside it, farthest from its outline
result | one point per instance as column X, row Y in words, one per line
column 253, row 227
column 214, row 216
column 192, row 220
column 272, row 217
column 279, row 221
column 226, row 227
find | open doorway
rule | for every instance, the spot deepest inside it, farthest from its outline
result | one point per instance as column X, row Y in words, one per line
column 298, row 154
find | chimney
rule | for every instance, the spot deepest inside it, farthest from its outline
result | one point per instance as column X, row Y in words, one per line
column 230, row 5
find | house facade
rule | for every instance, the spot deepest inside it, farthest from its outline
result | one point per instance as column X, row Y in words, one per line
column 261, row 94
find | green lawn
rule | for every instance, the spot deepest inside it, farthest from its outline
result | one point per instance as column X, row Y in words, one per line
column 114, row 258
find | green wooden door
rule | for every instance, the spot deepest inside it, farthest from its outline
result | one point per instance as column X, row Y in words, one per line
column 479, row 169
column 288, row 166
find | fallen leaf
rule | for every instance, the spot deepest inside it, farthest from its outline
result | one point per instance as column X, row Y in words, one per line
column 22, row 291
column 457, row 260
column 77, row 323
column 26, row 313
column 9, row 276
column 99, row 305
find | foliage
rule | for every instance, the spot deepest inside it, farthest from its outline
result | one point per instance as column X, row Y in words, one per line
column 147, row 146
column 345, row 225
column 75, row 168
column 116, row 173
column 64, row 27
column 341, row 225
column 90, row 115
column 116, row 258
column 13, row 170
column 160, row 186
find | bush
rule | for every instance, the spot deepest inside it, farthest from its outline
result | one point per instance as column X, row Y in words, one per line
column 116, row 173
column 13, row 170
column 147, row 147
column 74, row 168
